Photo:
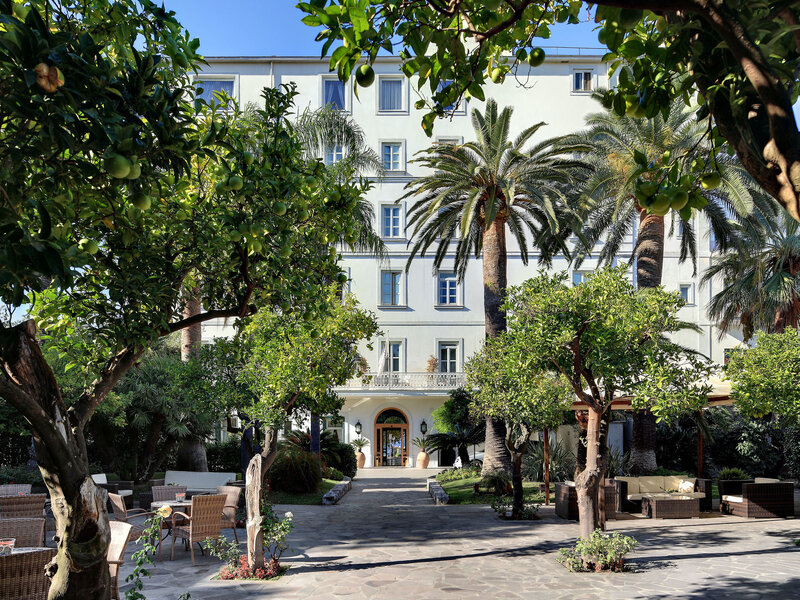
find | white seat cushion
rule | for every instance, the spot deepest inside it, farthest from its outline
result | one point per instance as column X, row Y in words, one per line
column 99, row 478
column 765, row 480
column 727, row 498
column 199, row 481
column 125, row 492
column 686, row 486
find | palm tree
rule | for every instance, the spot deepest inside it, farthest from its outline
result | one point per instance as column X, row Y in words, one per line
column 331, row 135
column 760, row 278
column 611, row 212
column 477, row 192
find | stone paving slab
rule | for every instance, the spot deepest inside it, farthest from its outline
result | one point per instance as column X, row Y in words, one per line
column 387, row 539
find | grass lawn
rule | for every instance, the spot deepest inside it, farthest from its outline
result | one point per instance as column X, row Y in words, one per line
column 461, row 492
column 311, row 498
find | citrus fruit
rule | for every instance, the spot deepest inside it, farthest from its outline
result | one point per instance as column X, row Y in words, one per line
column 117, row 165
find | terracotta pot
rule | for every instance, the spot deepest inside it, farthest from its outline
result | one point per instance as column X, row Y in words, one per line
column 422, row 460
column 361, row 459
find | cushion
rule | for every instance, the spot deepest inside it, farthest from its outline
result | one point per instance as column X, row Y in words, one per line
column 671, row 482
column 766, row 480
column 100, row 478
column 125, row 492
column 651, row 485
column 686, row 486
column 633, row 484
column 727, row 498
column 199, row 481
column 635, row 496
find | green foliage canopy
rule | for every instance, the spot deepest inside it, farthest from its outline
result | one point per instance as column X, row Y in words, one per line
column 292, row 363
column 607, row 339
column 740, row 56
column 766, row 377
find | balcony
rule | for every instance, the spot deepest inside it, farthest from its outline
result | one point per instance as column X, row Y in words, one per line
column 425, row 382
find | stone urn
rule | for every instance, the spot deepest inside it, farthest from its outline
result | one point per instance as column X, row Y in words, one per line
column 423, row 459
column 361, row 459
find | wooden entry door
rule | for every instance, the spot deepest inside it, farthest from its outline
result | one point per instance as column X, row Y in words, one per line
column 392, row 445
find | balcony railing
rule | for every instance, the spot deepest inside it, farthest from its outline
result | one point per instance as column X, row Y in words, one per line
column 406, row 381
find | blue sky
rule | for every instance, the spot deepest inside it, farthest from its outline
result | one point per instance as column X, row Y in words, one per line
column 273, row 27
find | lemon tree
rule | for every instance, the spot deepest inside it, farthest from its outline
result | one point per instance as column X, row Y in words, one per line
column 292, row 363
column 737, row 57
column 117, row 190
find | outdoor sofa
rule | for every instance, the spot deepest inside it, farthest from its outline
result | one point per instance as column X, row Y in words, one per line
column 631, row 490
column 122, row 488
column 759, row 498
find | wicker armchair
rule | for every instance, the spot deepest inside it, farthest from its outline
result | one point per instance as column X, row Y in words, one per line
column 22, row 574
column 15, row 489
column 232, row 494
column 22, row 507
column 28, row 533
column 760, row 500
column 115, row 556
column 124, row 514
column 205, row 522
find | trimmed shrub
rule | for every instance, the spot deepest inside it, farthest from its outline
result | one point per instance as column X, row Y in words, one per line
column 732, row 473
column 295, row 471
column 225, row 457
column 20, row 474
column 454, row 474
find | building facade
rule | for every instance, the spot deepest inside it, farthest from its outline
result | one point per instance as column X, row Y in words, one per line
column 430, row 322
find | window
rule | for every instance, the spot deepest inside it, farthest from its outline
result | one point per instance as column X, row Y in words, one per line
column 578, row 277
column 448, row 353
column 334, row 153
column 390, row 95
column 391, row 152
column 390, row 288
column 686, row 293
column 207, row 88
column 712, row 241
column 391, row 222
column 582, row 81
column 333, row 93
column 391, row 357
column 448, row 288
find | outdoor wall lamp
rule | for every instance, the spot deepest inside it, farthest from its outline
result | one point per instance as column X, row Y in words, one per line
column 423, row 427
column 358, row 427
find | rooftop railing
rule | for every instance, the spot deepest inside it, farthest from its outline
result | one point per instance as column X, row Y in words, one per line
column 405, row 381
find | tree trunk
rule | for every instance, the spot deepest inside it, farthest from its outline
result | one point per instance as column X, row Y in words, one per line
column 582, row 417
column 516, row 481
column 587, row 483
column 649, row 250
column 79, row 569
column 192, row 455
column 192, row 336
column 495, row 453
column 649, row 266
column 255, row 483
column 463, row 454
column 643, row 445
column 150, row 445
column 315, row 434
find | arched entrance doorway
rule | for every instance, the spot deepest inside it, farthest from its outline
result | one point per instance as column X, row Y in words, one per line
column 391, row 438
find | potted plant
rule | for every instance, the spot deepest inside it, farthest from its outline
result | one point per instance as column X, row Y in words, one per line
column 423, row 458
column 358, row 444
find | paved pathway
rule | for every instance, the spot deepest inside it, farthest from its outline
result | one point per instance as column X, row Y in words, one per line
column 386, row 540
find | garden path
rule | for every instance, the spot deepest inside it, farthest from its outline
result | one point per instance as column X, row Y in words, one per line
column 386, row 539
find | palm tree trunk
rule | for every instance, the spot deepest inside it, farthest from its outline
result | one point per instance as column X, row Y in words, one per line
column 649, row 265
column 496, row 455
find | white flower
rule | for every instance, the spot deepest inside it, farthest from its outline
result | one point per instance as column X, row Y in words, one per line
column 288, row 515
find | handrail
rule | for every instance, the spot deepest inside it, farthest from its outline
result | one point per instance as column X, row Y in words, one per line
column 405, row 381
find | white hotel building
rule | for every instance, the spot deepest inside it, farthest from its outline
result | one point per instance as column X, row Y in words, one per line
column 424, row 312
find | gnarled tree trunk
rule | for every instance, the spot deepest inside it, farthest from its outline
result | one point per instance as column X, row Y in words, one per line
column 587, row 482
column 496, row 455
column 79, row 569
column 254, row 491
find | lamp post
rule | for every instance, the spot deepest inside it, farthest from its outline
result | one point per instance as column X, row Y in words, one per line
column 358, row 427
column 423, row 427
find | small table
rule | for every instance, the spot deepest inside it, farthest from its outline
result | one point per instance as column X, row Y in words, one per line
column 670, row 507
